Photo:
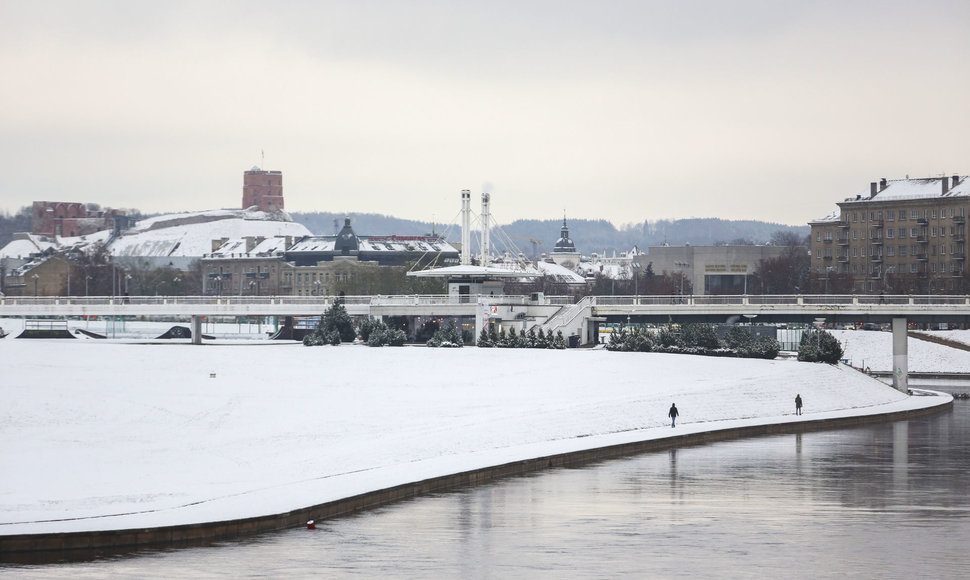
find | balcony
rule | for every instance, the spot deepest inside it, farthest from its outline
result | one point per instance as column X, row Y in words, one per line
column 923, row 221
column 958, row 256
column 876, row 258
column 876, row 241
column 922, row 257
column 828, row 257
column 845, row 224
column 843, row 240
column 959, row 219
column 958, row 237
column 875, row 223
column 843, row 259
column 922, row 239
column 827, row 240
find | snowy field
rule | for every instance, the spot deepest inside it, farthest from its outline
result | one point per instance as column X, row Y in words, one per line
column 111, row 434
column 875, row 350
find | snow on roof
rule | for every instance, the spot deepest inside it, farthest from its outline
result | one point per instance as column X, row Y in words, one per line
column 22, row 248
column 832, row 217
column 475, row 272
column 914, row 188
column 377, row 244
column 236, row 247
column 195, row 239
column 560, row 273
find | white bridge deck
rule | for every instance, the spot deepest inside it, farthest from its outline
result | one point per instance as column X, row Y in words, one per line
column 913, row 307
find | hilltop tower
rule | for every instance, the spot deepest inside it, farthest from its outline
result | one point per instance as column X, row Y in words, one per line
column 263, row 189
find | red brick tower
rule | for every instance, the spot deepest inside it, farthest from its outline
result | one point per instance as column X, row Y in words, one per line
column 263, row 189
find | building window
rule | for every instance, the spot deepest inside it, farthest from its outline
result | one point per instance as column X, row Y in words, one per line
column 933, row 232
column 942, row 249
column 913, row 232
column 855, row 217
column 902, row 232
column 818, row 236
column 914, row 214
column 891, row 215
column 933, row 215
column 891, row 233
column 890, row 251
column 902, row 251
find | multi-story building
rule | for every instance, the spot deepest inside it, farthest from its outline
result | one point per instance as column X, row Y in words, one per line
column 709, row 269
column 70, row 219
column 901, row 236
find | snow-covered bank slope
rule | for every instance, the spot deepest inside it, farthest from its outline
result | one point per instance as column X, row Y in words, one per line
column 143, row 434
column 875, row 350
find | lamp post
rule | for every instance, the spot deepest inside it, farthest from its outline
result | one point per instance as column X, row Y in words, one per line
column 828, row 274
column 35, row 277
column 682, row 266
column 636, row 278
column 316, row 287
column 86, row 278
column 175, row 288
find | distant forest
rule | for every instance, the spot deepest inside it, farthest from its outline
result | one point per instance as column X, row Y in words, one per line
column 589, row 236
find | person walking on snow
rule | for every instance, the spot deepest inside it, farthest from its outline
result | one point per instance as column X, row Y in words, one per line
column 798, row 404
column 673, row 413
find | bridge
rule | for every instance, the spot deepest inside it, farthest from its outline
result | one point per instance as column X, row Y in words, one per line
column 578, row 319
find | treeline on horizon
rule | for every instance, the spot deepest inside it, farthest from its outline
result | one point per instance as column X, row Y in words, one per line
column 589, row 236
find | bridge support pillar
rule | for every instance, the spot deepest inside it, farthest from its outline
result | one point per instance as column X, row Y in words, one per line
column 900, row 356
column 196, row 329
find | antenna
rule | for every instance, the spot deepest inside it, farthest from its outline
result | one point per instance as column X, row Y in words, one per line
column 262, row 159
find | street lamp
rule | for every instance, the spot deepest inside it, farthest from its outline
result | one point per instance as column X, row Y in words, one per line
column 86, row 278
column 682, row 266
column 35, row 277
column 316, row 287
column 636, row 278
column 175, row 282
column 828, row 274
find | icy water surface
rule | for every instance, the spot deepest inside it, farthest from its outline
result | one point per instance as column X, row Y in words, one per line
column 889, row 501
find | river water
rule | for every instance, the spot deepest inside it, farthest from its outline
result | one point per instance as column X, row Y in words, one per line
column 886, row 501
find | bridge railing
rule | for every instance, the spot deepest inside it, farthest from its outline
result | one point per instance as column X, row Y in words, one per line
column 436, row 299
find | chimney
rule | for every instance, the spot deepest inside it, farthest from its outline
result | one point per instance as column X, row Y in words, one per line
column 250, row 243
column 288, row 242
column 872, row 189
column 956, row 181
column 945, row 184
column 882, row 184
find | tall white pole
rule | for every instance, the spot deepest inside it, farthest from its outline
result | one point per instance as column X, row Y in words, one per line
column 466, row 234
column 486, row 218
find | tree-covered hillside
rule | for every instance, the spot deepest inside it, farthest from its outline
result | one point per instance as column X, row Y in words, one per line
column 589, row 236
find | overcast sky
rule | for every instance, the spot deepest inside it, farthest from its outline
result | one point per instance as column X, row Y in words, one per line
column 622, row 110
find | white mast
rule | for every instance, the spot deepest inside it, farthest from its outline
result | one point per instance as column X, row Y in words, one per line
column 466, row 234
column 486, row 218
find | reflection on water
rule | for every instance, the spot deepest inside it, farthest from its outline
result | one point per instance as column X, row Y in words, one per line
column 888, row 501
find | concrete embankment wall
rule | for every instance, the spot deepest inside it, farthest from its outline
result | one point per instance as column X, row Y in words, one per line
column 77, row 546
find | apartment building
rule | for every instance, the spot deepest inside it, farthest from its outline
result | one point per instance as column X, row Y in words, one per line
column 903, row 236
